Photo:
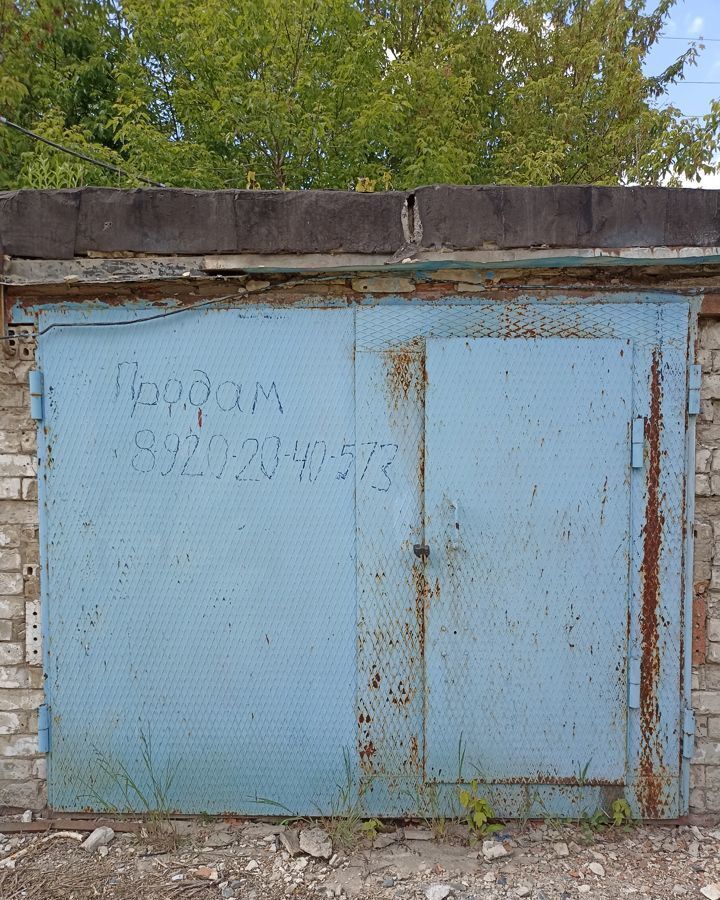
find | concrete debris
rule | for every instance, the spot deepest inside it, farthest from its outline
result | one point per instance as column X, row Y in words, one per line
column 493, row 850
column 384, row 840
column 290, row 839
column 26, row 817
column 418, row 834
column 438, row 891
column 220, row 839
column 534, row 862
column 205, row 872
column 316, row 842
column 98, row 838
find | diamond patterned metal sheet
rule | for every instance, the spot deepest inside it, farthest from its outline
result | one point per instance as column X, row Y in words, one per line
column 201, row 558
column 232, row 504
column 528, row 520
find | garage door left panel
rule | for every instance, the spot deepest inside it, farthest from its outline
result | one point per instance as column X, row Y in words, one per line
column 200, row 558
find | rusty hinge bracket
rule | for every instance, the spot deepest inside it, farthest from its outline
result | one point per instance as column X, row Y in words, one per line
column 694, row 381
column 35, row 380
column 688, row 733
column 638, row 442
column 634, row 683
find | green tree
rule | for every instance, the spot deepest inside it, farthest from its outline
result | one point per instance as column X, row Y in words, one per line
column 339, row 93
column 57, row 63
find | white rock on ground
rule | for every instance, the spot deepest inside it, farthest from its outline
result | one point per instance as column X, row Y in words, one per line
column 98, row 838
column 438, row 891
column 597, row 869
column 711, row 891
column 26, row 816
column 316, row 842
column 561, row 849
column 493, row 850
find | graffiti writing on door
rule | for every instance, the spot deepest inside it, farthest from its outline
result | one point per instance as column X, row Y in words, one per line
column 254, row 447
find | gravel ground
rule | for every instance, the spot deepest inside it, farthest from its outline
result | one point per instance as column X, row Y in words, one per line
column 250, row 861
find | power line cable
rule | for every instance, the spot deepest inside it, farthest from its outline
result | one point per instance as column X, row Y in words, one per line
column 20, row 336
column 689, row 40
column 77, row 153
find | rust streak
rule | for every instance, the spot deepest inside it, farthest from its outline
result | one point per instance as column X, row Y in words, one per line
column 422, row 592
column 414, row 753
column 400, row 373
column 565, row 781
column 650, row 782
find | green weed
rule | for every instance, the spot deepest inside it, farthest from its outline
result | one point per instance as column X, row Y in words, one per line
column 477, row 812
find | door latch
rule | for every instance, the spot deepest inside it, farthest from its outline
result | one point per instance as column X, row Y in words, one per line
column 422, row 551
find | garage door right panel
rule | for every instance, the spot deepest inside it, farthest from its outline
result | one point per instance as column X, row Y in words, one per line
column 528, row 504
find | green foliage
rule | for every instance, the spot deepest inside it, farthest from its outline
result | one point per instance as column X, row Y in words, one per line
column 371, row 828
column 621, row 813
column 477, row 812
column 148, row 789
column 370, row 94
column 426, row 802
column 619, row 816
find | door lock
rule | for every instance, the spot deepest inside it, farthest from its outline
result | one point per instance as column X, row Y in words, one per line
column 422, row 551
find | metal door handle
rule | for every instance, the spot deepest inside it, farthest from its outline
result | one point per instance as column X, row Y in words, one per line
column 422, row 551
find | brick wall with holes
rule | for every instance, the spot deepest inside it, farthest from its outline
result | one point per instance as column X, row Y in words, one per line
column 22, row 768
column 705, row 771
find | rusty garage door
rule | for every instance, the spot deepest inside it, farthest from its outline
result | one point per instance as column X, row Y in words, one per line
column 295, row 552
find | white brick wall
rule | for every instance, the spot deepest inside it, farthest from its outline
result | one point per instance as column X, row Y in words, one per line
column 705, row 776
column 22, row 769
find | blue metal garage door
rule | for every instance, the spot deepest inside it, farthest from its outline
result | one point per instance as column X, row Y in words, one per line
column 528, row 521
column 426, row 542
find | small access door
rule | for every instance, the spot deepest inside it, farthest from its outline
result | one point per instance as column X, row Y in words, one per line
column 528, row 528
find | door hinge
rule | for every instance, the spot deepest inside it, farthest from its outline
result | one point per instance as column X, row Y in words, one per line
column 688, row 733
column 634, row 683
column 35, row 380
column 694, row 381
column 638, row 442
column 43, row 728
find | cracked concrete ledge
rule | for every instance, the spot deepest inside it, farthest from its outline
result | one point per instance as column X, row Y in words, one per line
column 79, row 222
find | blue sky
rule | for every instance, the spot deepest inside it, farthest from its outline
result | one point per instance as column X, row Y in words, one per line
column 692, row 19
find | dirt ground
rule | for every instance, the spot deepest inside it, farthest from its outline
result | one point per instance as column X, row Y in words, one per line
column 250, row 861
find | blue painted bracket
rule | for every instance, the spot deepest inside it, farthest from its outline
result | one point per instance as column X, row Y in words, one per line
column 634, row 683
column 35, row 380
column 638, row 442
column 43, row 729
column 694, row 380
